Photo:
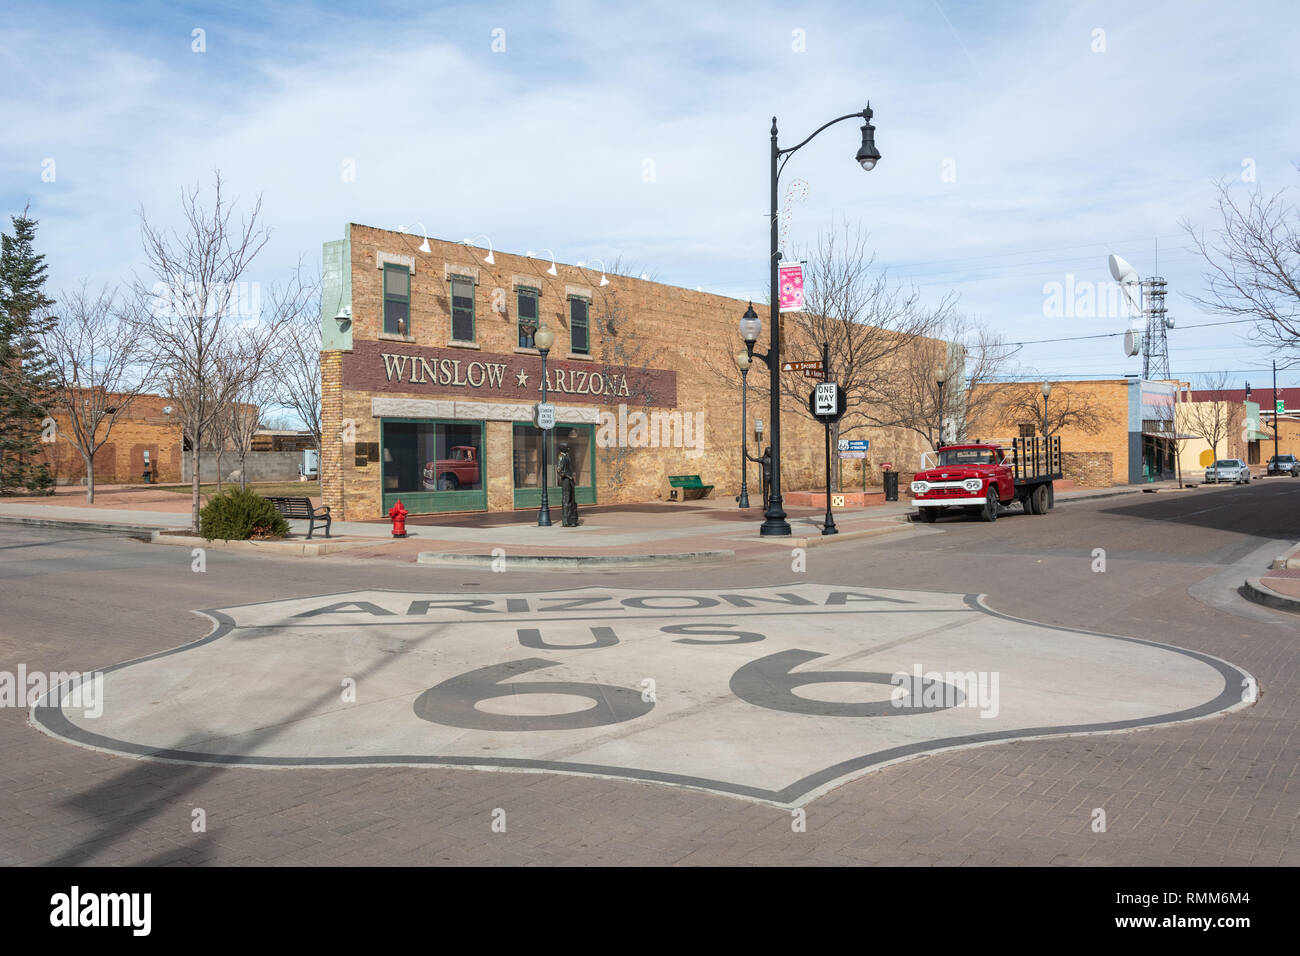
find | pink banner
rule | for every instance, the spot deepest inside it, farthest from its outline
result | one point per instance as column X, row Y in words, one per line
column 790, row 287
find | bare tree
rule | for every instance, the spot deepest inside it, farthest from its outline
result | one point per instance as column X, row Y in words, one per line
column 1066, row 407
column 1254, row 265
column 260, row 383
column 1215, row 416
column 297, row 361
column 98, row 370
column 186, row 322
column 968, row 355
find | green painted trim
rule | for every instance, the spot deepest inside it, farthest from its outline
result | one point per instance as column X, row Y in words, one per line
column 532, row 497
column 436, row 502
column 473, row 307
column 336, row 293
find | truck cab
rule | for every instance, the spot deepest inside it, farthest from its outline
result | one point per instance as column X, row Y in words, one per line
column 981, row 477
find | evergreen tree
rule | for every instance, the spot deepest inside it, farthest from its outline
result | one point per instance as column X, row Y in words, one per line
column 26, row 377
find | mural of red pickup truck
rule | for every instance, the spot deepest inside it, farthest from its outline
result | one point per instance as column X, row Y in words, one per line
column 461, row 470
column 981, row 477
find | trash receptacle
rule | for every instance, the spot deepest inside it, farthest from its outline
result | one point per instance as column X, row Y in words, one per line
column 891, row 486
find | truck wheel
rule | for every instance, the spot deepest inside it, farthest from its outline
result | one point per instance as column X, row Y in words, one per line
column 1051, row 496
column 448, row 483
column 929, row 515
column 1038, row 500
column 989, row 512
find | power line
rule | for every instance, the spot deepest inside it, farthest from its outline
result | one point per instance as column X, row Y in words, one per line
column 1111, row 335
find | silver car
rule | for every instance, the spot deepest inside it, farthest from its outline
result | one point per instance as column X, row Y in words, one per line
column 1228, row 469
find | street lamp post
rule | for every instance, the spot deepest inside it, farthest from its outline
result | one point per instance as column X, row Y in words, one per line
column 940, row 376
column 1047, row 390
column 544, row 338
column 743, row 362
column 867, row 156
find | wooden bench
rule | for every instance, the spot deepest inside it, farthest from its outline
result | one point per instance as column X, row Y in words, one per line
column 302, row 508
column 689, row 483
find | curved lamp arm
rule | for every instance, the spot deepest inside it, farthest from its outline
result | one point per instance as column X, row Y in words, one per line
column 789, row 151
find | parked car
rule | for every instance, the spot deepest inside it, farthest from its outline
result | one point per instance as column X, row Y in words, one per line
column 451, row 474
column 1228, row 469
column 1284, row 465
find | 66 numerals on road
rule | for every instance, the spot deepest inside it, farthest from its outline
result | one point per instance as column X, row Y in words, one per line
column 768, row 682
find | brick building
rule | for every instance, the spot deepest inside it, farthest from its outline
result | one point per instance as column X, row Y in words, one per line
column 429, row 375
column 1135, row 433
column 142, row 428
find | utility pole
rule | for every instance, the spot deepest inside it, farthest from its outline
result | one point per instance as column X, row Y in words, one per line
column 1274, row 408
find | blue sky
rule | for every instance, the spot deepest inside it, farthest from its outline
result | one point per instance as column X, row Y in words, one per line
column 1014, row 153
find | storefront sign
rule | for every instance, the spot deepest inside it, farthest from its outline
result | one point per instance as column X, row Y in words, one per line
column 410, row 369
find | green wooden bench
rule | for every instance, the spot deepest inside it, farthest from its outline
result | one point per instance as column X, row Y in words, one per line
column 690, row 483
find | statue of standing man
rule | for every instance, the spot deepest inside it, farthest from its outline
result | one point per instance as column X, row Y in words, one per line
column 564, row 471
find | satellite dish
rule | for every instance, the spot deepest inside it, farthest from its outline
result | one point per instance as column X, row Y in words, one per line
column 1122, row 272
column 1128, row 280
column 1131, row 341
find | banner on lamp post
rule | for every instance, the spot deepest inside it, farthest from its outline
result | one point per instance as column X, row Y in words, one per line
column 790, row 287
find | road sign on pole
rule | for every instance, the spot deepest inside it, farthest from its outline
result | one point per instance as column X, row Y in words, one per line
column 813, row 366
column 545, row 416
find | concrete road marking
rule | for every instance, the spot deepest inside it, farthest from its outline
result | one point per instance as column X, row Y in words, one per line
column 768, row 694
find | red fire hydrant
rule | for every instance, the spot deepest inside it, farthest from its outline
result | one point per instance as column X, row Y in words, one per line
column 398, row 514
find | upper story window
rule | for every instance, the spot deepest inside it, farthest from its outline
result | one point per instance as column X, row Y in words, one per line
column 397, row 299
column 527, row 311
column 579, row 326
column 462, row 309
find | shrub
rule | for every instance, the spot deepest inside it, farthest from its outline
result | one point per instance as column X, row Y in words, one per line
column 237, row 515
column 38, row 480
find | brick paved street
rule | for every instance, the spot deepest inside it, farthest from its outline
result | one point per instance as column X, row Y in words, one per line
column 1224, row 790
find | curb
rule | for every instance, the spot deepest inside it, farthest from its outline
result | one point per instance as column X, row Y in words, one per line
column 293, row 549
column 1254, row 589
column 812, row 540
column 572, row 561
column 69, row 524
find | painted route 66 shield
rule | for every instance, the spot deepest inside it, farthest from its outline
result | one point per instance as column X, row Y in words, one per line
column 772, row 694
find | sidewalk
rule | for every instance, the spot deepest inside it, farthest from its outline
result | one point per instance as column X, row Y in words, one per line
column 691, row 531
column 1279, row 586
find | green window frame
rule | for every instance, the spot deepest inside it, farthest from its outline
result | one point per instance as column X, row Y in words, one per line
column 579, row 322
column 526, row 294
column 434, row 502
column 397, row 299
column 531, row 497
column 462, row 307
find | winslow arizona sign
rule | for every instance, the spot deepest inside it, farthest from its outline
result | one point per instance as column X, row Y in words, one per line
column 395, row 367
column 770, row 694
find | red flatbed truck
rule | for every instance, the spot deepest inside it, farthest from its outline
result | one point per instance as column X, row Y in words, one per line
column 979, row 477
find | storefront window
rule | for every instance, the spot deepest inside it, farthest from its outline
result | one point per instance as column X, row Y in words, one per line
column 529, row 452
column 421, row 456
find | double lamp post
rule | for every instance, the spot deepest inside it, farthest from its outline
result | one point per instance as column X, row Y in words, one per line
column 775, row 522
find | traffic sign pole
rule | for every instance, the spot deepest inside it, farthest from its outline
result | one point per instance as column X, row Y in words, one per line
column 828, row 527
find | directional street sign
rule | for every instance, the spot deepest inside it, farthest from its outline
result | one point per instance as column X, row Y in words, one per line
column 854, row 444
column 545, row 415
column 853, row 454
column 802, row 366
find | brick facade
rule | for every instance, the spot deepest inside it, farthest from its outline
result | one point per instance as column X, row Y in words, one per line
column 143, row 426
column 1088, row 449
column 654, row 349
